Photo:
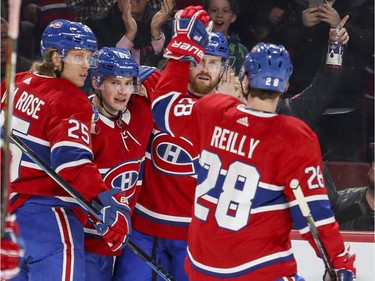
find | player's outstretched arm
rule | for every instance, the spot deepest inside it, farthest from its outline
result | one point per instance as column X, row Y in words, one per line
column 338, row 268
column 172, row 105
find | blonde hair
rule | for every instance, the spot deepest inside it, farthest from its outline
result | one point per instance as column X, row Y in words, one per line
column 45, row 67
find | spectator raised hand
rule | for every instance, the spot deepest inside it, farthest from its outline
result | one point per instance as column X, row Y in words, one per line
column 160, row 18
column 310, row 16
column 339, row 33
column 129, row 21
column 135, row 26
column 329, row 15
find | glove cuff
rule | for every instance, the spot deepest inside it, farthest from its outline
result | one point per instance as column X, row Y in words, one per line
column 186, row 50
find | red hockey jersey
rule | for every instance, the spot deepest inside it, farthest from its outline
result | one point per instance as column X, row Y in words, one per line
column 52, row 117
column 165, row 204
column 119, row 147
column 164, row 207
column 244, row 208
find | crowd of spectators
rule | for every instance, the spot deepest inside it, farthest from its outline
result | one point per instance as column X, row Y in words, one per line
column 345, row 130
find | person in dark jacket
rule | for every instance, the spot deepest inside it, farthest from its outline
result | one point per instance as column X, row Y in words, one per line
column 341, row 131
column 355, row 208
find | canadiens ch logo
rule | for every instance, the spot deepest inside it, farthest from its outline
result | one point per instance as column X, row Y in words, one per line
column 172, row 155
column 124, row 176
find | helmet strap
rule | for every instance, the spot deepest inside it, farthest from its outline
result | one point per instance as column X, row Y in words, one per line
column 99, row 94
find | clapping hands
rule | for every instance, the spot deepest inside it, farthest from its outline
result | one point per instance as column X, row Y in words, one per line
column 129, row 22
column 161, row 17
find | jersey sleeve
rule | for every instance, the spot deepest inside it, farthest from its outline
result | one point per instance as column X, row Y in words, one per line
column 71, row 148
column 303, row 162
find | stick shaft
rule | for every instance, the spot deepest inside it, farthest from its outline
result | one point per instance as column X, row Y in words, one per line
column 297, row 190
column 13, row 27
column 87, row 205
column 56, row 177
column 151, row 262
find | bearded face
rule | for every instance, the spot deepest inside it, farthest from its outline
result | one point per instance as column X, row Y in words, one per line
column 205, row 76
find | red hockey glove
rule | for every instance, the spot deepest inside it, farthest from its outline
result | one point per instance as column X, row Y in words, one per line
column 344, row 266
column 149, row 78
column 190, row 36
column 116, row 220
column 10, row 249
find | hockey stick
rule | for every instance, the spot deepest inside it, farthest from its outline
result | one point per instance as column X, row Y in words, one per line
column 296, row 188
column 86, row 204
column 13, row 28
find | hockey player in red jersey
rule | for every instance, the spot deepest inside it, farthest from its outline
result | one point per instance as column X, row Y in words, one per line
column 163, row 211
column 52, row 116
column 244, row 208
column 121, row 129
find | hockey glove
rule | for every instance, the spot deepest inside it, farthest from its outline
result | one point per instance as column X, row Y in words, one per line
column 116, row 220
column 11, row 250
column 190, row 37
column 344, row 267
column 149, row 78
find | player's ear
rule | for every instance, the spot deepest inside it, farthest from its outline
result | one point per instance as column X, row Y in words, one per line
column 143, row 91
column 286, row 87
column 246, row 82
column 233, row 18
column 56, row 60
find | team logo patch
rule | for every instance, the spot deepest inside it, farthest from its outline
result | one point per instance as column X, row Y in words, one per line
column 57, row 24
column 124, row 176
column 172, row 155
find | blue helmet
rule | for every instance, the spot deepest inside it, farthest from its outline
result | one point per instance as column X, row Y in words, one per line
column 268, row 67
column 64, row 35
column 217, row 45
column 113, row 62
